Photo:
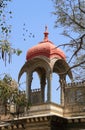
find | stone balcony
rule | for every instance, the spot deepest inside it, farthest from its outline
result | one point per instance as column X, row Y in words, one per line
column 74, row 105
column 46, row 109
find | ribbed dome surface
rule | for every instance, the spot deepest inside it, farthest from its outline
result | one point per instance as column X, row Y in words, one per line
column 45, row 48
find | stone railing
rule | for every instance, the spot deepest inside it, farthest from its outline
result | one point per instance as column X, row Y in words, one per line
column 36, row 90
column 36, row 96
column 77, row 84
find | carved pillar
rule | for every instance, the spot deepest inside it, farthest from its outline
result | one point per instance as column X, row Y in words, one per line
column 49, row 88
column 62, row 85
column 43, row 83
column 28, row 86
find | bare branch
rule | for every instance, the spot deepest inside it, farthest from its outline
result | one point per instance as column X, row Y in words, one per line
column 74, row 66
column 78, row 49
column 75, row 53
column 67, row 44
column 73, row 20
column 72, row 9
column 75, row 43
column 80, row 7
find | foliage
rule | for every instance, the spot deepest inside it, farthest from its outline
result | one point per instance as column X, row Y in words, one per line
column 7, row 51
column 10, row 94
column 5, row 16
column 5, row 31
column 6, row 89
column 70, row 15
column 20, row 99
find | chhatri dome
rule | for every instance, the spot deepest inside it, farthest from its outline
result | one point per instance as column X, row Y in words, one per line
column 45, row 48
column 44, row 59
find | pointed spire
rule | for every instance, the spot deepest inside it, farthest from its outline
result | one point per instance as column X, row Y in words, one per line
column 46, row 34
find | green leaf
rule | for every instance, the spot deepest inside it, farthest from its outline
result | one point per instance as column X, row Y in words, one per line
column 19, row 52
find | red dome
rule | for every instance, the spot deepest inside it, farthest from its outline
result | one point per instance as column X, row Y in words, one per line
column 45, row 48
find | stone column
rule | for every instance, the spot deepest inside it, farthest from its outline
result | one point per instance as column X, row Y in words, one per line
column 28, row 86
column 49, row 88
column 62, row 85
column 43, row 83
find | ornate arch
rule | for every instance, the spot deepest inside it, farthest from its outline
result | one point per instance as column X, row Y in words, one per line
column 60, row 67
column 42, row 66
column 31, row 65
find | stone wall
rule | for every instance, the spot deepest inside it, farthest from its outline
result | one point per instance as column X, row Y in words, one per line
column 36, row 96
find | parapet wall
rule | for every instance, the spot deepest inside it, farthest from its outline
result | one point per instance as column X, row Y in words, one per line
column 36, row 96
column 77, row 84
column 74, row 99
column 75, row 93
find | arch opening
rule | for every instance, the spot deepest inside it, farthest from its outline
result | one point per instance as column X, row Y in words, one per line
column 38, row 85
column 35, row 81
column 55, row 88
column 22, row 83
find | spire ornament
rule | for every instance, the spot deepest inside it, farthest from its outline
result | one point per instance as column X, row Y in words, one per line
column 46, row 34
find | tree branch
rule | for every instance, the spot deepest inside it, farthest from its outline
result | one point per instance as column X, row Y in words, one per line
column 73, row 20
column 76, row 44
column 78, row 49
column 80, row 7
column 72, row 67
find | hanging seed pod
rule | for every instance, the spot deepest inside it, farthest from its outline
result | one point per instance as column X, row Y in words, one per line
column 2, row 53
column 9, row 56
column 5, row 57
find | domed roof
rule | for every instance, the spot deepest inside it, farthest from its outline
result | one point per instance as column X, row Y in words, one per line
column 45, row 48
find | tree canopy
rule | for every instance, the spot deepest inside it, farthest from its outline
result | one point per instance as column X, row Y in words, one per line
column 70, row 16
column 9, row 94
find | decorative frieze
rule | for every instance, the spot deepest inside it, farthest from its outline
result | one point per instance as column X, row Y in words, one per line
column 37, row 119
